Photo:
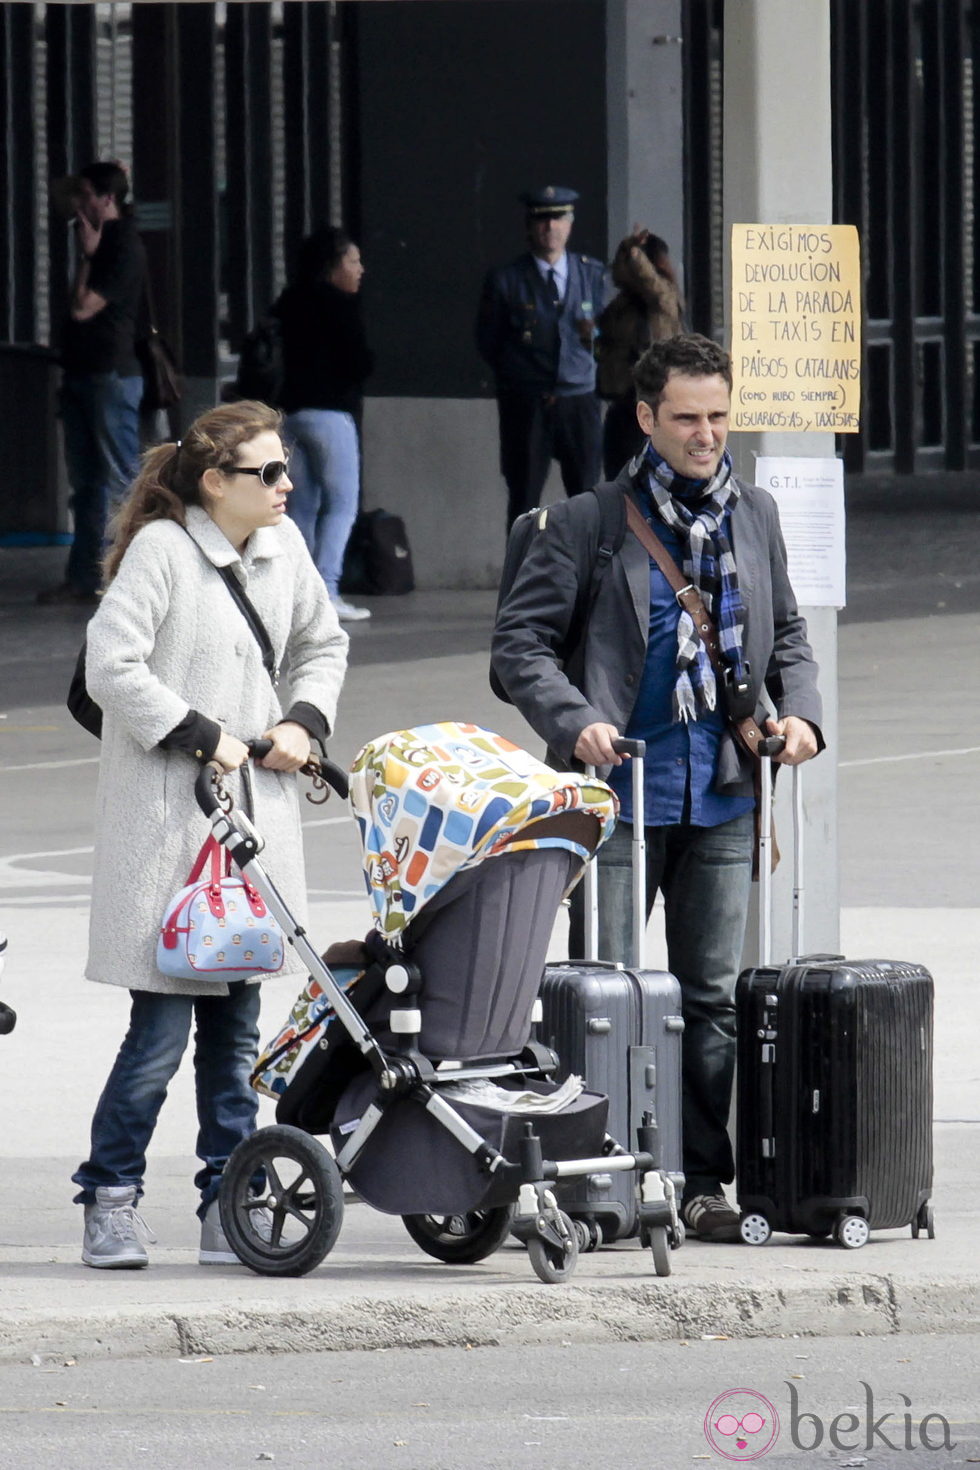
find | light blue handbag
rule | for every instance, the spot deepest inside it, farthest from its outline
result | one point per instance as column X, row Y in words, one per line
column 218, row 927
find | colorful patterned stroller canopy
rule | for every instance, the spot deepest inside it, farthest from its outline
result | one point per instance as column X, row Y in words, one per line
column 434, row 800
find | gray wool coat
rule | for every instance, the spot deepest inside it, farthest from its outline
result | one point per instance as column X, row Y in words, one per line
column 168, row 637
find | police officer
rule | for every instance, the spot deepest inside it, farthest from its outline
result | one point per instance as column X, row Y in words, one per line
column 536, row 328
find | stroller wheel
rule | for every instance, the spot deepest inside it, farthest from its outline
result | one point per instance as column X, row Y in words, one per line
column 282, row 1201
column 460, row 1240
column 554, row 1255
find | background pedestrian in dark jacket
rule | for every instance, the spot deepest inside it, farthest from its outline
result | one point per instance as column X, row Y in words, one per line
column 325, row 362
column 647, row 309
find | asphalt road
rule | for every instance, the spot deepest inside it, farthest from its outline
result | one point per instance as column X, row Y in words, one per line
column 633, row 1406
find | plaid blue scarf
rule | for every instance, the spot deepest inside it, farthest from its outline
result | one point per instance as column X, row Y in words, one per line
column 698, row 520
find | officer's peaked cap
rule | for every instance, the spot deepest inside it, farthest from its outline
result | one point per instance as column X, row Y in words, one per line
column 551, row 200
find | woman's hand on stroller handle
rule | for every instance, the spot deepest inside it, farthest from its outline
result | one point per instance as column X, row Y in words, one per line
column 230, row 752
column 210, row 794
column 286, row 747
column 321, row 770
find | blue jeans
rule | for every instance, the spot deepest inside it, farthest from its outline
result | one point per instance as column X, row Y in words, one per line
column 100, row 413
column 326, row 473
column 225, row 1048
column 705, row 875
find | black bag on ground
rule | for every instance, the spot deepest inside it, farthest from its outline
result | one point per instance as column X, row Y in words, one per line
column 260, row 361
column 612, row 533
column 378, row 559
column 834, row 1089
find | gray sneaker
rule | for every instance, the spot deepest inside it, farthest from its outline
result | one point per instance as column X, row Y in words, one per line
column 115, row 1234
column 215, row 1249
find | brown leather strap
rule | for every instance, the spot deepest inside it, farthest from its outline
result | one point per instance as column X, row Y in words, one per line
column 690, row 600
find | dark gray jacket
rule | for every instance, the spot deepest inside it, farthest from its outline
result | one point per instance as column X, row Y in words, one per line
column 536, row 614
column 532, row 345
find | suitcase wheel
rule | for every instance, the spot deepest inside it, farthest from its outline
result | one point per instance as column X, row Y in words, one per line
column 755, row 1229
column 924, row 1220
column 852, row 1231
column 588, row 1234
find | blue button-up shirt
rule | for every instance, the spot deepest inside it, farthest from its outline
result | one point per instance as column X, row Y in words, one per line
column 679, row 752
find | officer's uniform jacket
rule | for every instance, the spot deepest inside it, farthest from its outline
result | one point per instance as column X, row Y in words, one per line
column 532, row 344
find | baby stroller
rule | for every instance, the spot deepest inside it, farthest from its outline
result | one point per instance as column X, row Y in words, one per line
column 439, row 1104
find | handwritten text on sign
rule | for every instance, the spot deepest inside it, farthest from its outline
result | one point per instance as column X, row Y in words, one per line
column 796, row 328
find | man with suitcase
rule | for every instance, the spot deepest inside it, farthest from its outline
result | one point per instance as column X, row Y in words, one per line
column 588, row 659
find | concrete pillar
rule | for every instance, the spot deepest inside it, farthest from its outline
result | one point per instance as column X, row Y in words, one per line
column 644, row 120
column 778, row 170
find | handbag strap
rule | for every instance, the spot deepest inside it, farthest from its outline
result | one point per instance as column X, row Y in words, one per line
column 148, row 304
column 251, row 617
column 212, row 850
column 249, row 613
column 689, row 598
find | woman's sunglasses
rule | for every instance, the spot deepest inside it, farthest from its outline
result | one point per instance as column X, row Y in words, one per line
column 270, row 473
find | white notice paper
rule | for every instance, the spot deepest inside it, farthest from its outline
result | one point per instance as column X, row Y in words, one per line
column 810, row 496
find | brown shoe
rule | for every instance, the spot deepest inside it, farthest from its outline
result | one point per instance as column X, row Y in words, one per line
column 66, row 595
column 711, row 1217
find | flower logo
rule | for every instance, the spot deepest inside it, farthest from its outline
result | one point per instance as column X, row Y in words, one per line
column 741, row 1425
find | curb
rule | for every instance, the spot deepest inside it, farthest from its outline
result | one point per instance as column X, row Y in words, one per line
column 641, row 1312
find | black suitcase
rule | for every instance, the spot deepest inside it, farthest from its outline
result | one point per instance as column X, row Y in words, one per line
column 619, row 1027
column 834, row 1086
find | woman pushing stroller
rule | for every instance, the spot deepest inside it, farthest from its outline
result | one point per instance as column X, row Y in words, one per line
column 178, row 671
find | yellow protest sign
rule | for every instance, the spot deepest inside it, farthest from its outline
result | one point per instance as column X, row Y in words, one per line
column 796, row 328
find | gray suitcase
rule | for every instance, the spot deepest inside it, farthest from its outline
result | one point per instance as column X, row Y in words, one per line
column 619, row 1026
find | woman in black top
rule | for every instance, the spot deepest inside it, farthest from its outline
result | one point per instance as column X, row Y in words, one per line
column 325, row 361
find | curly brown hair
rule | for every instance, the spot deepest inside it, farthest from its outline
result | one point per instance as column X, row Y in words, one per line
column 689, row 354
column 169, row 478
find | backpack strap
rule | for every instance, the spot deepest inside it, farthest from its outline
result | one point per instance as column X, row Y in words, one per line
column 612, row 534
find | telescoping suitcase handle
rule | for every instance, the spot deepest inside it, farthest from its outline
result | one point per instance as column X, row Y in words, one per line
column 636, row 750
column 767, row 749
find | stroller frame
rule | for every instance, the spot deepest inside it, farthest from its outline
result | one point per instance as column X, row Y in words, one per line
column 257, row 1204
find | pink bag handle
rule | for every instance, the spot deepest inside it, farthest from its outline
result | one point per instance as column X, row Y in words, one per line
column 212, row 849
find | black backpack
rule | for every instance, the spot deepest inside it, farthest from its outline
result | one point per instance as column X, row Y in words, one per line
column 612, row 533
column 378, row 558
column 260, row 362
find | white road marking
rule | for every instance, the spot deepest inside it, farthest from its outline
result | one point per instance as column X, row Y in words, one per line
column 13, row 875
column 917, row 755
column 89, row 760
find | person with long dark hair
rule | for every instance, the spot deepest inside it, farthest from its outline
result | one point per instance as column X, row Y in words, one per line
column 326, row 360
column 180, row 677
column 648, row 308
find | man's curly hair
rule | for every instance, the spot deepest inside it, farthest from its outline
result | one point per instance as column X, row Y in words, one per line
column 691, row 354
